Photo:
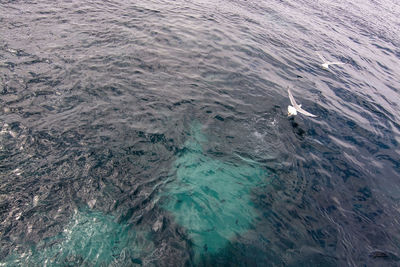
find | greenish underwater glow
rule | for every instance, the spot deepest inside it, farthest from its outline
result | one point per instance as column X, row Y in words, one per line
column 210, row 198
column 91, row 239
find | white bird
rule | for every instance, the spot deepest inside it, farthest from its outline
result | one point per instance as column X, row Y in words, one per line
column 292, row 110
column 326, row 63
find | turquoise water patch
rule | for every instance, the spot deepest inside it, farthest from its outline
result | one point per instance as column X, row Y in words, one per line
column 211, row 198
column 90, row 239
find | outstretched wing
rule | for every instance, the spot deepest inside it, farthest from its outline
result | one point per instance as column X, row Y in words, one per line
column 294, row 104
column 321, row 57
column 297, row 107
column 336, row 63
column 302, row 111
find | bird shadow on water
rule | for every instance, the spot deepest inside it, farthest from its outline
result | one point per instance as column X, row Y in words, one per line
column 297, row 130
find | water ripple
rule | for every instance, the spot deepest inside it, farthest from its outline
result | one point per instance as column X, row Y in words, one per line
column 96, row 104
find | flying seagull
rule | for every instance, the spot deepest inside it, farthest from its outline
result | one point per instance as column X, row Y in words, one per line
column 292, row 110
column 326, row 63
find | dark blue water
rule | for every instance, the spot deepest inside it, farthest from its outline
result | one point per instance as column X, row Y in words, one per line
column 155, row 133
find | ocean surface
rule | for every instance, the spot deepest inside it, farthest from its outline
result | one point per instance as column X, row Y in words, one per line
column 155, row 133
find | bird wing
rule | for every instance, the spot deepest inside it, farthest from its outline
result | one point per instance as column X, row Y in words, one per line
column 321, row 57
column 336, row 63
column 302, row 111
column 297, row 107
column 294, row 104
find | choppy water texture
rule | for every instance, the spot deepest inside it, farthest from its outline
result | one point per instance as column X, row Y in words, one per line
column 155, row 133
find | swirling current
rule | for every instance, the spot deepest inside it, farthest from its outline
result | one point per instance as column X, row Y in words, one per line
column 156, row 133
